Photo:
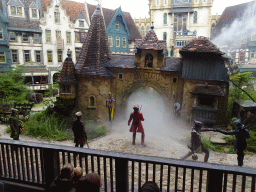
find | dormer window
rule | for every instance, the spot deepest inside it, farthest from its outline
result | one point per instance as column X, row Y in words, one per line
column 34, row 14
column 148, row 61
column 117, row 26
column 1, row 34
column 25, row 38
column 57, row 17
column 81, row 23
column 15, row 8
column 16, row 11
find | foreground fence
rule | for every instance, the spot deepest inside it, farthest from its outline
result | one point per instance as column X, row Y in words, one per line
column 38, row 164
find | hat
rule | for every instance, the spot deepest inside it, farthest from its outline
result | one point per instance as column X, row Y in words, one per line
column 198, row 124
column 136, row 107
column 13, row 109
column 79, row 113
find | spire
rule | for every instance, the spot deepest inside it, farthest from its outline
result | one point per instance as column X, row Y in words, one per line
column 95, row 51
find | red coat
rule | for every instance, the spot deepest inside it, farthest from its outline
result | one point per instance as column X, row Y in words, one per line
column 136, row 117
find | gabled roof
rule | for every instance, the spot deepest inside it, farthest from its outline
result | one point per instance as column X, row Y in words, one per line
column 200, row 44
column 207, row 90
column 80, row 16
column 95, row 51
column 33, row 5
column 73, row 9
column 108, row 15
column 229, row 15
column 15, row 2
column 67, row 74
column 45, row 4
column 119, row 12
column 150, row 41
column 121, row 61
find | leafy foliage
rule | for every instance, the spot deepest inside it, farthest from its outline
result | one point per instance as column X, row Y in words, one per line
column 12, row 88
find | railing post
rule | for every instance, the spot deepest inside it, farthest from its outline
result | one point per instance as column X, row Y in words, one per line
column 51, row 166
column 121, row 167
column 214, row 182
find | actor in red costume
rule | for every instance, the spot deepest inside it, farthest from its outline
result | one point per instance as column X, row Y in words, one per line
column 136, row 126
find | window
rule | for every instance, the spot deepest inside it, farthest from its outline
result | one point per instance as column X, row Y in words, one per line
column 16, row 11
column 253, row 36
column 1, row 33
column 66, row 88
column 26, row 56
column 68, row 34
column 117, row 25
column 2, row 57
column 120, row 76
column 80, row 37
column 34, row 13
column 117, row 41
column 12, row 35
column 149, row 61
column 164, row 36
column 253, row 54
column 92, row 101
column 58, row 34
column 81, row 23
column 174, row 80
column 180, row 22
column 124, row 42
column 165, row 18
column 38, row 56
column 157, row 2
column 37, row 38
column 206, row 100
column 180, row 43
column 166, row 2
column 48, row 36
column 59, row 56
column 195, row 17
column 49, row 56
column 110, row 41
column 142, row 32
column 14, row 56
column 25, row 38
column 57, row 17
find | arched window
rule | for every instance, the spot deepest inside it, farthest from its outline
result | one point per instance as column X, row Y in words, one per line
column 164, row 36
column 195, row 17
column 92, row 101
column 149, row 61
column 142, row 32
column 165, row 18
column 180, row 23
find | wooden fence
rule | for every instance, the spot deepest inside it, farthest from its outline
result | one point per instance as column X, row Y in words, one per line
column 38, row 164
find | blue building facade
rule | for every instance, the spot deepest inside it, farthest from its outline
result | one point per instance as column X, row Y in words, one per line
column 118, row 33
column 5, row 55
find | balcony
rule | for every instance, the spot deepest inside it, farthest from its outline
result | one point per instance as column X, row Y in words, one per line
column 184, row 33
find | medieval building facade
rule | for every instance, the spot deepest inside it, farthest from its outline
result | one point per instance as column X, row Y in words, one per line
column 177, row 22
column 198, row 81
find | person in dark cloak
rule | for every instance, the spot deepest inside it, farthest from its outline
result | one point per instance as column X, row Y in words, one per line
column 79, row 131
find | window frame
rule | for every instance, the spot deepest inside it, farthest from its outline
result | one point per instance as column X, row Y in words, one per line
column 48, row 39
column 23, row 38
column 195, row 17
column 146, row 58
column 165, row 19
column 66, row 88
column 1, row 33
column 27, row 52
column 59, row 51
column 17, row 10
column 118, row 40
column 2, row 54
column 31, row 13
column 48, row 53
column 117, row 26
column 81, row 22
column 40, row 54
column 94, row 101
column 68, row 37
column 56, row 17
column 58, row 32
column 157, row 2
column 17, row 55
column 124, row 44
column 110, row 39
column 35, row 38
column 10, row 36
column 164, row 36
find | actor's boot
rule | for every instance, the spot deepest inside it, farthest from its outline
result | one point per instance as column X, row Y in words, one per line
column 142, row 138
column 133, row 139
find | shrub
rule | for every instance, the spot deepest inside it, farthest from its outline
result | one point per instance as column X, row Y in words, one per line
column 208, row 144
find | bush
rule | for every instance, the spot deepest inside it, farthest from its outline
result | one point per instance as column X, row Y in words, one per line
column 208, row 144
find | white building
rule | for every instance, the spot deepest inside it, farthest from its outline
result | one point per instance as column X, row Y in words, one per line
column 179, row 21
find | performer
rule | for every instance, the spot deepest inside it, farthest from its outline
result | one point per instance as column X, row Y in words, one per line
column 196, row 143
column 15, row 124
column 136, row 126
column 110, row 105
column 240, row 143
column 79, row 131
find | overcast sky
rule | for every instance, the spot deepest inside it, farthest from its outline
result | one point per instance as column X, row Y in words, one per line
column 139, row 8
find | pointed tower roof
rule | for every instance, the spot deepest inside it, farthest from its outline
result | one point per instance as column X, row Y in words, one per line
column 95, row 52
column 67, row 74
column 150, row 41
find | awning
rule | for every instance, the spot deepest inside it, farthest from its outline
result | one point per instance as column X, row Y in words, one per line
column 181, row 10
column 206, row 89
column 24, row 29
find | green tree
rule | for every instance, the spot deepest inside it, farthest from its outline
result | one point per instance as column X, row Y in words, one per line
column 12, row 87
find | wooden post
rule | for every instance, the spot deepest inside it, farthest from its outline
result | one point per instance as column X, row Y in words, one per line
column 122, row 183
column 51, row 166
column 214, row 182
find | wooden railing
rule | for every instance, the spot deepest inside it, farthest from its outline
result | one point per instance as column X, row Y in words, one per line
column 38, row 164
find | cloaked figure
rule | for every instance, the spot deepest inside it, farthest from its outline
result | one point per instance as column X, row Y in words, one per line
column 110, row 106
column 136, row 117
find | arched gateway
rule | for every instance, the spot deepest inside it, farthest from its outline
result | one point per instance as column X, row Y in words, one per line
column 198, row 80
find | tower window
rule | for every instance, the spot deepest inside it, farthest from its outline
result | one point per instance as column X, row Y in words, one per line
column 92, row 101
column 149, row 61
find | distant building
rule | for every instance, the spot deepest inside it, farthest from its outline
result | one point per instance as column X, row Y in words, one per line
column 177, row 22
column 143, row 25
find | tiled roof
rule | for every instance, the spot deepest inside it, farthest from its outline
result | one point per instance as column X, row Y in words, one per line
column 44, row 5
column 67, row 74
column 150, row 41
column 200, row 44
column 108, row 15
column 228, row 16
column 172, row 64
column 73, row 9
column 121, row 61
column 207, row 90
column 95, row 51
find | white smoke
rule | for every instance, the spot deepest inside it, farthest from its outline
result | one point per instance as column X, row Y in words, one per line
column 240, row 30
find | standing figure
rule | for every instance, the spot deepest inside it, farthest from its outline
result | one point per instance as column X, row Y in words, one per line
column 110, row 106
column 240, row 143
column 136, row 126
column 79, row 131
column 15, row 124
column 196, row 143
